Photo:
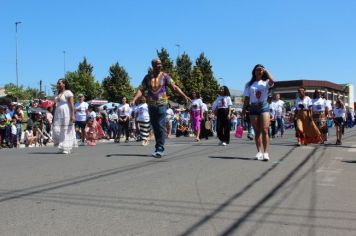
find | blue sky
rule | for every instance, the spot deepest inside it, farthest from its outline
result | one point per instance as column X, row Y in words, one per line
column 301, row 39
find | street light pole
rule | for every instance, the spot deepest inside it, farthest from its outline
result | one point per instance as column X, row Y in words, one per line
column 178, row 46
column 64, row 63
column 17, row 65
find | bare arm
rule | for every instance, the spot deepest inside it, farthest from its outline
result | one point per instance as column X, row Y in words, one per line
column 177, row 90
column 71, row 109
column 270, row 79
column 138, row 94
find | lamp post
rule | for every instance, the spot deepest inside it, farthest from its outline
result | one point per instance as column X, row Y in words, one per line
column 64, row 64
column 178, row 46
column 223, row 81
column 17, row 65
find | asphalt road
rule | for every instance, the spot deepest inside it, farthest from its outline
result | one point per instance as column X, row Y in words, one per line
column 196, row 189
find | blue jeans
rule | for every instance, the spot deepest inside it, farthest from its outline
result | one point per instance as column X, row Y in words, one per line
column 158, row 122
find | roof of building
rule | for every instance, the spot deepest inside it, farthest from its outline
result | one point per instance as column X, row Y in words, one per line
column 309, row 83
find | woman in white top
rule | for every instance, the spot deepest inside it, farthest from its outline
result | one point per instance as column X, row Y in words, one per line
column 143, row 120
column 124, row 119
column 256, row 94
column 339, row 119
column 222, row 108
column 196, row 114
column 320, row 111
column 306, row 130
column 64, row 118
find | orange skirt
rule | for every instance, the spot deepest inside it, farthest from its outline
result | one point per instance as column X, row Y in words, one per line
column 306, row 129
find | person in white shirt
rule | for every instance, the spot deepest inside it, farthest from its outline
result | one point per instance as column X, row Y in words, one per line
column 320, row 111
column 81, row 112
column 306, row 130
column 256, row 93
column 280, row 112
column 339, row 119
column 169, row 120
column 143, row 120
column 272, row 111
column 222, row 109
column 113, row 127
column 124, row 119
column 196, row 114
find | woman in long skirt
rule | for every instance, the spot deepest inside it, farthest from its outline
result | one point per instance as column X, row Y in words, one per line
column 320, row 111
column 306, row 130
column 64, row 117
column 143, row 120
column 196, row 114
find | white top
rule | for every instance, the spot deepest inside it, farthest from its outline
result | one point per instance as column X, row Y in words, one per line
column 204, row 107
column 319, row 105
column 339, row 112
column 169, row 114
column 306, row 103
column 328, row 104
column 113, row 116
column 81, row 111
column 222, row 102
column 196, row 104
column 13, row 130
column 28, row 134
column 278, row 106
column 141, row 112
column 124, row 110
column 92, row 115
column 258, row 91
column 272, row 109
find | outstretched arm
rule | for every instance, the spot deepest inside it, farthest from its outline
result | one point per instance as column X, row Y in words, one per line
column 177, row 90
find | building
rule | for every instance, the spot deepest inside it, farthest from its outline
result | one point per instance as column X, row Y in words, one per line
column 288, row 90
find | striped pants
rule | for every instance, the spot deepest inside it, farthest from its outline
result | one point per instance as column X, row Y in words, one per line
column 145, row 128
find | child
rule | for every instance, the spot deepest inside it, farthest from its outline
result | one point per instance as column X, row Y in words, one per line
column 143, row 120
column 13, row 133
column 29, row 139
column 93, row 130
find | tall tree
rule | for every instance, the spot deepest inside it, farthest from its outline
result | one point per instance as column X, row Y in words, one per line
column 117, row 84
column 196, row 82
column 210, row 84
column 184, row 70
column 167, row 64
column 83, row 81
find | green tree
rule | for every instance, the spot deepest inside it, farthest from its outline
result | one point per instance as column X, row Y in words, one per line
column 117, row 84
column 13, row 91
column 184, row 70
column 83, row 81
column 196, row 82
column 210, row 84
column 167, row 66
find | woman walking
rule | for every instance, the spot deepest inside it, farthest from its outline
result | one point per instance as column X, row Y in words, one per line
column 196, row 114
column 256, row 94
column 124, row 119
column 64, row 118
column 306, row 130
column 222, row 108
column 143, row 121
column 339, row 119
column 320, row 111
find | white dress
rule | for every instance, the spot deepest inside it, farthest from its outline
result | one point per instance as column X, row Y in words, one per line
column 63, row 130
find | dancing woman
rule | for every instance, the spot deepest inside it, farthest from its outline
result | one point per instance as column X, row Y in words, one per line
column 320, row 111
column 196, row 114
column 256, row 94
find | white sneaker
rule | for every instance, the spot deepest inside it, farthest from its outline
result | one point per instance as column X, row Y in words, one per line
column 259, row 156
column 265, row 156
column 65, row 152
column 223, row 143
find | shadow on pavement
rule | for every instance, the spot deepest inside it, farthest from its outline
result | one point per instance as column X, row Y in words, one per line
column 128, row 155
column 349, row 161
column 233, row 158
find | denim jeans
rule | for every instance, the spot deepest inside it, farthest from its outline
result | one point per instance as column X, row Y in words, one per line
column 158, row 122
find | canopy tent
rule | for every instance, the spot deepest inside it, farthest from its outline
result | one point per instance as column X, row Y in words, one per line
column 46, row 103
column 97, row 102
column 109, row 105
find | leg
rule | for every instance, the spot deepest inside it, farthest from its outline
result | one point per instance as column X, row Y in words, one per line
column 256, row 126
column 264, row 124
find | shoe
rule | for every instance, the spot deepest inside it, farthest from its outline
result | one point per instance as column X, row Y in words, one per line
column 223, row 144
column 220, row 143
column 265, row 156
column 82, row 144
column 259, row 156
column 65, row 152
column 158, row 154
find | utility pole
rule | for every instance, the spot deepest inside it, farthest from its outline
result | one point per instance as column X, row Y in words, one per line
column 17, row 66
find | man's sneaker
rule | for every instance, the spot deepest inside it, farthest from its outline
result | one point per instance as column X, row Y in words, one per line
column 259, row 156
column 223, row 144
column 65, row 152
column 265, row 156
column 158, row 154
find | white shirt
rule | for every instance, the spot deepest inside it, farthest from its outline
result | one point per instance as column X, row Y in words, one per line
column 204, row 107
column 272, row 109
column 169, row 114
column 196, row 104
column 124, row 110
column 81, row 111
column 113, row 116
column 13, row 130
column 141, row 112
column 92, row 115
column 339, row 112
column 222, row 102
column 319, row 104
column 306, row 103
column 258, row 91
column 278, row 106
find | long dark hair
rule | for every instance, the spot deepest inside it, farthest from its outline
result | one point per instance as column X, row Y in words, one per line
column 226, row 90
column 253, row 79
column 65, row 82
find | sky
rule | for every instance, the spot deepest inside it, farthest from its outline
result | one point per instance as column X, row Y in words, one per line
column 304, row 39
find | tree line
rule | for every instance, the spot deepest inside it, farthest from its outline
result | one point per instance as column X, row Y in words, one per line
column 198, row 77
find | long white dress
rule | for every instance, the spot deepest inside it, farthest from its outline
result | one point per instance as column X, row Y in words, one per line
column 63, row 131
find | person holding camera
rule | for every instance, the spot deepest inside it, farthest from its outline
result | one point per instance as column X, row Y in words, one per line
column 256, row 94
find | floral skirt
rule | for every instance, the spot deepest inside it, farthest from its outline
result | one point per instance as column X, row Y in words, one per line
column 306, row 130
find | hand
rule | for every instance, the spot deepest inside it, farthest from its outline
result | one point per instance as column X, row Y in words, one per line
column 72, row 119
column 132, row 103
column 187, row 99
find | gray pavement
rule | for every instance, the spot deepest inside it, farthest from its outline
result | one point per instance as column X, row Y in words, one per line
column 196, row 189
